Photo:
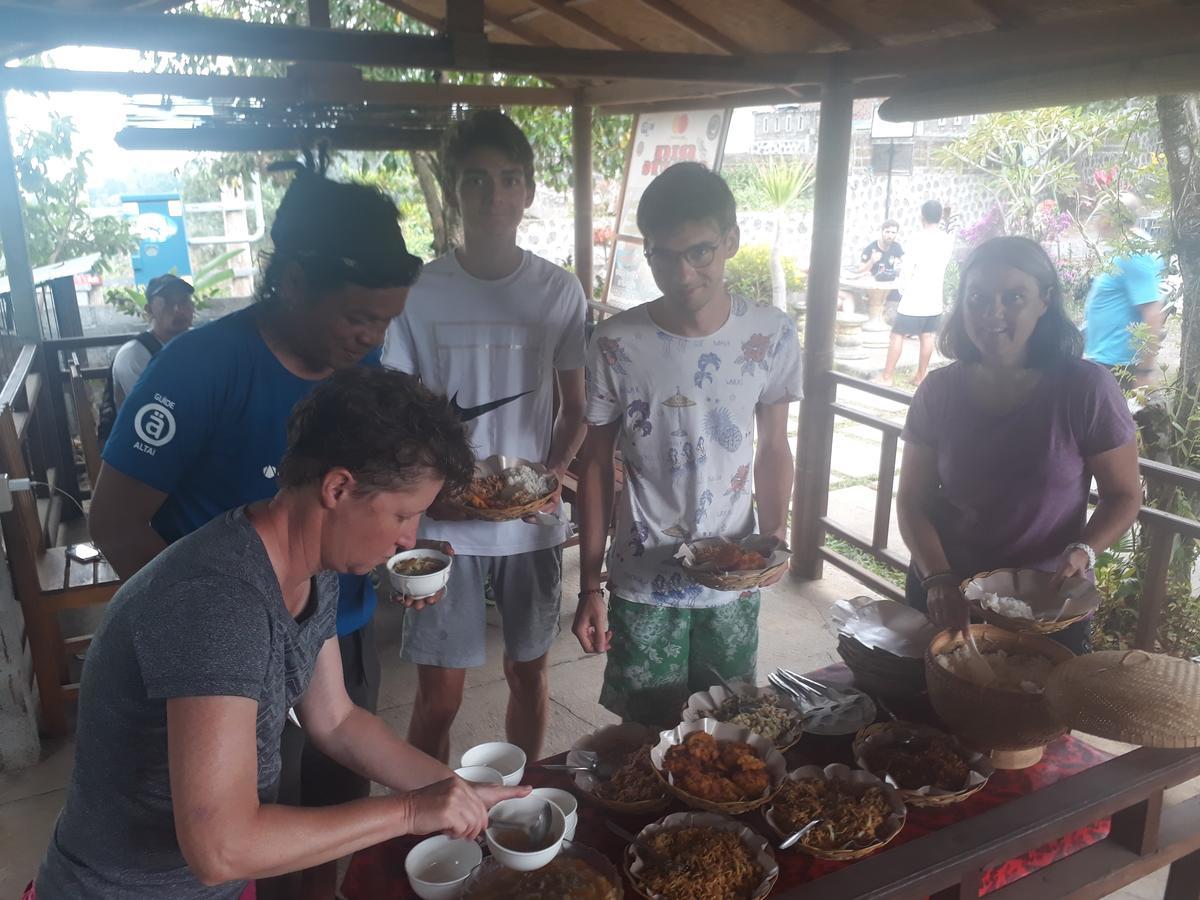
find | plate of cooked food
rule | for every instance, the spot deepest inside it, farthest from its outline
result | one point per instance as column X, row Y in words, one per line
column 632, row 785
column 700, row 856
column 1027, row 600
column 718, row 767
column 733, row 565
column 856, row 812
column 926, row 766
column 761, row 709
column 577, row 872
column 505, row 488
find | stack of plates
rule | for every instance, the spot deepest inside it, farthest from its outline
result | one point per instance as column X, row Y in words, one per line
column 883, row 642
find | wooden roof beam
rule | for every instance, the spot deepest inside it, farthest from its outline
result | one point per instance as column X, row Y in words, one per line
column 464, row 16
column 251, row 138
column 696, row 27
column 819, row 12
column 1005, row 14
column 519, row 30
column 222, row 37
column 201, row 87
column 586, row 24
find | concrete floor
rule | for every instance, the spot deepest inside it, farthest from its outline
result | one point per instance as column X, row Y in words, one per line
column 795, row 631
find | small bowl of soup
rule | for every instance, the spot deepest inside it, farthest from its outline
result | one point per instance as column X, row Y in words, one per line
column 513, row 847
column 420, row 572
column 438, row 867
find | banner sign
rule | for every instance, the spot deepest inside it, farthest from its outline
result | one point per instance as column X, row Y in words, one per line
column 660, row 140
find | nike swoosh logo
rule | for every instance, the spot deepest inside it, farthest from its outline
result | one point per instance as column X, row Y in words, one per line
column 468, row 413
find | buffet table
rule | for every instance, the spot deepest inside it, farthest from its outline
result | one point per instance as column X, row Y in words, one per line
column 1078, row 824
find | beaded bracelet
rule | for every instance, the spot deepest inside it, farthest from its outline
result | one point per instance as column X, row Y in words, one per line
column 590, row 591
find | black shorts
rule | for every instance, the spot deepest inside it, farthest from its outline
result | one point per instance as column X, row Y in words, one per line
column 910, row 325
column 309, row 777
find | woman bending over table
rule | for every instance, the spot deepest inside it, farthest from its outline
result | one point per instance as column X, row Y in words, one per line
column 204, row 650
column 1001, row 445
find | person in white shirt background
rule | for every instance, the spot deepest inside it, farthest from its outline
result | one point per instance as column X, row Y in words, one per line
column 169, row 310
column 920, row 311
column 497, row 329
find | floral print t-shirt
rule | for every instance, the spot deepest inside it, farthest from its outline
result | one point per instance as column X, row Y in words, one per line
column 686, row 408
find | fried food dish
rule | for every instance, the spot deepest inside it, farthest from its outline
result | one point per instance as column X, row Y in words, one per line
column 418, row 565
column 846, row 814
column 725, row 772
column 699, row 864
column 515, row 486
column 935, row 762
column 634, row 781
column 730, row 557
column 563, row 876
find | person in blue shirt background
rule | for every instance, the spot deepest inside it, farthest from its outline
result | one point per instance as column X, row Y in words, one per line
column 206, row 425
column 1121, row 299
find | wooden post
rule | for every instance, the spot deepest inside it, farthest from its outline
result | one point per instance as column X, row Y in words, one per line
column 581, row 134
column 12, row 234
column 815, row 440
column 318, row 14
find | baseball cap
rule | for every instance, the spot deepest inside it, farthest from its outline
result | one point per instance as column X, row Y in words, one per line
column 160, row 284
column 353, row 225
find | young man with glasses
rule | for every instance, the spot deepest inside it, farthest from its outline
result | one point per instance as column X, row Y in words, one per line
column 680, row 385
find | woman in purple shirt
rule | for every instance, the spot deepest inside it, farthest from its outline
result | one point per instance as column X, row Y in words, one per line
column 1001, row 446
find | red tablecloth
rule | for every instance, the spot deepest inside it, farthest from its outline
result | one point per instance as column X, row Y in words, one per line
column 377, row 873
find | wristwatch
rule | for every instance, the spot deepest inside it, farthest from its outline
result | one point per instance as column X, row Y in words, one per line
column 1091, row 554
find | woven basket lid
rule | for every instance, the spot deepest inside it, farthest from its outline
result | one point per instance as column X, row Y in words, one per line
column 1129, row 695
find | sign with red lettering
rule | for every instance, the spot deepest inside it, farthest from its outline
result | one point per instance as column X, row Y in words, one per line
column 659, row 141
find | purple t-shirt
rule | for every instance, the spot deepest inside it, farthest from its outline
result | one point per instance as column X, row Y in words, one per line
column 1014, row 487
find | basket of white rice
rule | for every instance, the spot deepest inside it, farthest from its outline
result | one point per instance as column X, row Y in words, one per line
column 1029, row 601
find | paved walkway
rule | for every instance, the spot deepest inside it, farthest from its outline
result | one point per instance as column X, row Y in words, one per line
column 795, row 632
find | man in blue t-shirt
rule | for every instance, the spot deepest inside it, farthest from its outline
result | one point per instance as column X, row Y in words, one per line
column 1121, row 299
column 205, row 428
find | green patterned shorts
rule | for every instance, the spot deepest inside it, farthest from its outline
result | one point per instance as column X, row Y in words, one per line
column 660, row 655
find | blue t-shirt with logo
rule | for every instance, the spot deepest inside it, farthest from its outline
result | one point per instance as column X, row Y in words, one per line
column 207, row 425
column 1112, row 307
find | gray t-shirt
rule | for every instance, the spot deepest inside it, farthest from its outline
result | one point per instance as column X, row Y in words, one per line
column 204, row 618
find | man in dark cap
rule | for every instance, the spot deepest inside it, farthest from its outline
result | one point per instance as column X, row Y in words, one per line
column 169, row 310
column 205, row 428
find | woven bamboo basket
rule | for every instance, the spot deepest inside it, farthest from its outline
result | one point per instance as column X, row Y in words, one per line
column 884, row 733
column 702, row 705
column 759, row 848
column 612, row 740
column 988, row 717
column 1132, row 696
column 494, row 465
column 722, row 731
column 861, row 780
column 1033, row 587
column 777, row 561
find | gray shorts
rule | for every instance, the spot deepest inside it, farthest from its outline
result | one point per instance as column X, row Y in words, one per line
column 451, row 633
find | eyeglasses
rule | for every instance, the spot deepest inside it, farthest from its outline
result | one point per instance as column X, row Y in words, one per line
column 698, row 256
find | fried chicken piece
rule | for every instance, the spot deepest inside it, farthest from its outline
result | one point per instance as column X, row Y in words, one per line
column 713, row 788
column 702, row 746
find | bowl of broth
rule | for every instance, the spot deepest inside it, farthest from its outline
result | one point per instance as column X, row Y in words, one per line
column 438, row 866
column 420, row 572
column 513, row 847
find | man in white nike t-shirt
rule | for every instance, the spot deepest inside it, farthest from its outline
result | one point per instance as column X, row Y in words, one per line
column 495, row 328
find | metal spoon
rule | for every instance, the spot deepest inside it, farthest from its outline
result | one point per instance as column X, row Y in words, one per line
column 733, row 692
column 601, row 770
column 791, row 839
column 538, row 831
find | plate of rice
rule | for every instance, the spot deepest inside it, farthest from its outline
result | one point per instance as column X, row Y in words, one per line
column 505, row 488
column 1027, row 600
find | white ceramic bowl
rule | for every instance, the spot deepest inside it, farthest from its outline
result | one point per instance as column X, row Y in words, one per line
column 507, row 759
column 526, row 810
column 438, row 866
column 565, row 801
column 420, row 585
column 479, row 775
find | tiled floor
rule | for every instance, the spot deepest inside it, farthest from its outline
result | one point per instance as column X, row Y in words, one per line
column 795, row 631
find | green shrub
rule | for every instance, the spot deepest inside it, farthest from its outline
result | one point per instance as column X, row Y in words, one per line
column 749, row 274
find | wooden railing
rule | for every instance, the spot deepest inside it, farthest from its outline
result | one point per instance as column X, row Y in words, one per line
column 1159, row 529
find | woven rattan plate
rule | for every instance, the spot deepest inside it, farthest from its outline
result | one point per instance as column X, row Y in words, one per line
column 1130, row 695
